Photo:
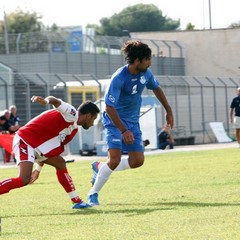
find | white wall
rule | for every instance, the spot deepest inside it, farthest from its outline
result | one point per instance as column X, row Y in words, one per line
column 207, row 52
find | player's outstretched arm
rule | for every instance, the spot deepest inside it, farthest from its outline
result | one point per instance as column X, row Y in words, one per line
column 163, row 100
column 48, row 100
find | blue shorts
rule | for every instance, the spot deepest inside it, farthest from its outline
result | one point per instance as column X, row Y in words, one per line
column 114, row 138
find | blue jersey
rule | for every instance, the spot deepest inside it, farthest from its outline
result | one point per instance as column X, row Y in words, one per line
column 125, row 90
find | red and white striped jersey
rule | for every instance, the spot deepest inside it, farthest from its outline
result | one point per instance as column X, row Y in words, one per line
column 51, row 130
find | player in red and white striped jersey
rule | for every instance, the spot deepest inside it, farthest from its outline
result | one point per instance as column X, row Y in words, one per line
column 43, row 140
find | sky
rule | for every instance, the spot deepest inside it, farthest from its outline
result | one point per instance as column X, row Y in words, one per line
column 80, row 13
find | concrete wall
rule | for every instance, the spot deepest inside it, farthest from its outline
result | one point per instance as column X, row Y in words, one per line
column 100, row 65
column 207, row 52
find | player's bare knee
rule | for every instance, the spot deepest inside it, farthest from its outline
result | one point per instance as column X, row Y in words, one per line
column 137, row 162
column 25, row 180
column 58, row 162
column 61, row 166
column 113, row 163
column 140, row 163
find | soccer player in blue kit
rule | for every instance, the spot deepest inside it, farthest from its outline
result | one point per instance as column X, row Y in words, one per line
column 121, row 116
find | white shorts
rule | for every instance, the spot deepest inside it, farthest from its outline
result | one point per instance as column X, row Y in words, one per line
column 24, row 152
column 236, row 122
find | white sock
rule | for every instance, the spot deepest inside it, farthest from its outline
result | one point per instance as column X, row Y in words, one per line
column 102, row 177
column 123, row 165
column 105, row 172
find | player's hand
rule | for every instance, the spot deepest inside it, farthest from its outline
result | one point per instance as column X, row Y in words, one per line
column 128, row 137
column 170, row 119
column 38, row 99
column 34, row 177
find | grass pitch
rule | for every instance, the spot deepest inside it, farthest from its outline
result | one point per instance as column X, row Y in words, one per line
column 176, row 195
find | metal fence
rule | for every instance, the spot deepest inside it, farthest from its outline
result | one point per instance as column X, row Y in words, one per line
column 195, row 101
column 69, row 53
column 65, row 41
column 76, row 67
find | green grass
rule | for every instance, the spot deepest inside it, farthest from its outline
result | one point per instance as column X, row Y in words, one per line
column 177, row 195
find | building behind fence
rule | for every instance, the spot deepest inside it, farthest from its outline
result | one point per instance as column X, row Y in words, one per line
column 99, row 56
column 48, row 66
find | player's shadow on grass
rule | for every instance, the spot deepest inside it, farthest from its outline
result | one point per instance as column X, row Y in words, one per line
column 130, row 209
column 152, row 207
column 127, row 211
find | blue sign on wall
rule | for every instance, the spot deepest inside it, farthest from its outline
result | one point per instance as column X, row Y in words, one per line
column 75, row 40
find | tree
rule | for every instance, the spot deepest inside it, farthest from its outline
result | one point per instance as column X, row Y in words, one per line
column 97, row 28
column 53, row 28
column 22, row 22
column 190, row 26
column 29, row 26
column 137, row 18
column 33, row 38
column 235, row 25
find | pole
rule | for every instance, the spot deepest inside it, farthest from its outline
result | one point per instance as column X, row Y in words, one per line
column 210, row 14
column 6, row 33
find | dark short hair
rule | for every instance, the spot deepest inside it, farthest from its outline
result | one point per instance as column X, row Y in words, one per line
column 2, row 117
column 133, row 49
column 88, row 107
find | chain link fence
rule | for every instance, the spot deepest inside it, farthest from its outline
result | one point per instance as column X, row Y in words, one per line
column 71, row 53
column 77, row 68
column 196, row 101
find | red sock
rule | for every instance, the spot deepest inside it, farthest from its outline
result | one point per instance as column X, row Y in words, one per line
column 10, row 183
column 97, row 165
column 66, row 181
